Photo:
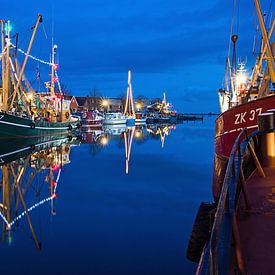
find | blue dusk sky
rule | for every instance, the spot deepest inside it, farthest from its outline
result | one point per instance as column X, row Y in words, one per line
column 175, row 46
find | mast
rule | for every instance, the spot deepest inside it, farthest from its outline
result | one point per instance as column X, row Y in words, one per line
column 52, row 70
column 2, row 61
column 129, row 105
column 164, row 107
column 258, row 66
column 128, row 140
column 269, row 55
column 39, row 19
column 5, row 26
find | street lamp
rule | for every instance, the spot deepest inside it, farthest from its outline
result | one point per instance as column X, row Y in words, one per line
column 104, row 104
column 138, row 106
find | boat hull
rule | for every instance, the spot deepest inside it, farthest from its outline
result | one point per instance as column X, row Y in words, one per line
column 12, row 126
column 90, row 125
column 114, row 121
column 151, row 120
column 228, row 125
column 12, row 149
column 130, row 121
column 140, row 121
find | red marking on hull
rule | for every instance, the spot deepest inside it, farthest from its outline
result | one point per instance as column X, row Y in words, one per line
column 228, row 126
column 230, row 123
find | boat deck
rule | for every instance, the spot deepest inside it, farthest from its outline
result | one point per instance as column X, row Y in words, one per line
column 257, row 226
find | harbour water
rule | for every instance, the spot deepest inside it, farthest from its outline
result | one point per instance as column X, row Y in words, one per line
column 111, row 209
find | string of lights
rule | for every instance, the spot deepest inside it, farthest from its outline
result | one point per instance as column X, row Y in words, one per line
column 53, row 196
column 43, row 62
column 4, row 219
column 58, row 83
column 33, row 57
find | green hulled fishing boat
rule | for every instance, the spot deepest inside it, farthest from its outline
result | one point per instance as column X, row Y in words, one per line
column 26, row 113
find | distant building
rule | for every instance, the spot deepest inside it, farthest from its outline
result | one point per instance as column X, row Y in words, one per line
column 73, row 103
column 115, row 105
column 85, row 103
column 81, row 102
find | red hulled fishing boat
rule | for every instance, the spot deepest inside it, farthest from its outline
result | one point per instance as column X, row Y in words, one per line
column 243, row 98
column 235, row 234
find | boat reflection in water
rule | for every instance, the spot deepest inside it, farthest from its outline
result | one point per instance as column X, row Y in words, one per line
column 161, row 130
column 99, row 138
column 30, row 172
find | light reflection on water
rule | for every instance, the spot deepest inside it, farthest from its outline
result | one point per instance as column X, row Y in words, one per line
column 122, row 202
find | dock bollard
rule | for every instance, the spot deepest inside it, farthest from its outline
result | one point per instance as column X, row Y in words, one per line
column 266, row 121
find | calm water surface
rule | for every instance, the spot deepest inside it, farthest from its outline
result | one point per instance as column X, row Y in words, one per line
column 93, row 216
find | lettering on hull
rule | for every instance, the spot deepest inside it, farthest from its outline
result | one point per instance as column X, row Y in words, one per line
column 247, row 116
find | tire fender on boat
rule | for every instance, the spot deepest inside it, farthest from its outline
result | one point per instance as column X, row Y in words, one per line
column 201, row 231
column 70, row 127
column 32, row 125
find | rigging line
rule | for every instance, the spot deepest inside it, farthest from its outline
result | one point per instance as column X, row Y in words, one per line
column 44, row 30
column 231, row 27
column 257, row 37
column 28, row 32
column 268, row 14
column 238, row 16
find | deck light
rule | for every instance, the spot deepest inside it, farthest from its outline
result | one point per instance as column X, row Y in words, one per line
column 30, row 96
column 241, row 78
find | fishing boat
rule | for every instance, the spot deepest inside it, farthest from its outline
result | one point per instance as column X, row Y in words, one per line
column 29, row 182
column 162, row 118
column 152, row 118
column 91, row 120
column 114, row 118
column 24, row 112
column 233, row 235
column 160, row 130
column 243, row 98
column 241, row 228
column 161, row 112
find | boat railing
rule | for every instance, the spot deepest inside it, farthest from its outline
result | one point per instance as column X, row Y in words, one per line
column 216, row 254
